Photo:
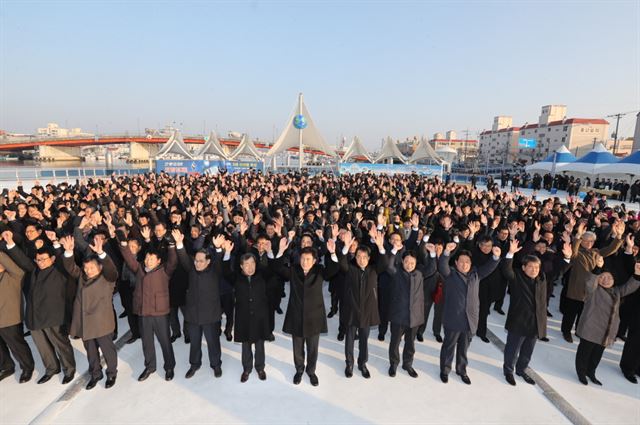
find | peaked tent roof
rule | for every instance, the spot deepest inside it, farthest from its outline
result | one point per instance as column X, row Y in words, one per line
column 212, row 147
column 290, row 136
column 592, row 162
column 174, row 146
column 627, row 165
column 246, row 147
column 390, row 150
column 424, row 151
column 563, row 157
column 356, row 148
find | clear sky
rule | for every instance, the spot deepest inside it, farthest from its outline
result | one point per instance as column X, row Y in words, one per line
column 371, row 69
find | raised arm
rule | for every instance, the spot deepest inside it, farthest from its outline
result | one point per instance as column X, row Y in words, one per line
column 443, row 261
column 632, row 284
column 487, row 268
column 68, row 261
column 11, row 267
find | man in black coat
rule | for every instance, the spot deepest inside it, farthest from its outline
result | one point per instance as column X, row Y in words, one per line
column 527, row 316
column 305, row 318
column 202, row 310
column 251, row 326
column 461, row 308
column 360, row 306
column 47, row 315
column 407, row 306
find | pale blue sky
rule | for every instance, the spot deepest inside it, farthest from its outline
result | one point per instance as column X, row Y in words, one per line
column 370, row 69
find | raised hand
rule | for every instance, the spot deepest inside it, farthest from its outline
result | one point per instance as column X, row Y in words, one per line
column 227, row 246
column 68, row 243
column 347, row 238
column 177, row 236
column 291, row 234
column 243, row 227
column 496, row 251
column 514, row 246
column 567, row 250
column 257, row 219
column 51, row 235
column 450, row 247
column 431, row 248
column 97, row 246
column 11, row 215
column 319, row 234
column 379, row 240
column 629, row 241
column 599, row 261
column 218, row 241
column 415, row 221
column 283, row 245
column 636, row 269
column 146, row 233
column 7, row 235
column 335, row 231
column 331, row 246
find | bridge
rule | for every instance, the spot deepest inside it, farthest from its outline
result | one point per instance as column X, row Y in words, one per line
column 141, row 148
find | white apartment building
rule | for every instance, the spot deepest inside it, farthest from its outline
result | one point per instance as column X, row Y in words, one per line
column 579, row 135
column 54, row 130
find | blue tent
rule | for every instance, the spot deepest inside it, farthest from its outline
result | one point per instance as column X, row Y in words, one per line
column 627, row 165
column 563, row 157
column 591, row 163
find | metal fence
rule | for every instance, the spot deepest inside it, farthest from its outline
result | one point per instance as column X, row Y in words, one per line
column 19, row 173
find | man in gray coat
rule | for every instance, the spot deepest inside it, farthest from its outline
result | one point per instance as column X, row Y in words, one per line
column 461, row 307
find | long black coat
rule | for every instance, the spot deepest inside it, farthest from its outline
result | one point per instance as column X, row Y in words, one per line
column 407, row 294
column 48, row 299
column 251, row 322
column 306, row 314
column 527, row 314
column 360, row 292
column 202, row 297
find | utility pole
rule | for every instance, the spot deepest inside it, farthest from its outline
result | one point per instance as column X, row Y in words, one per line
column 615, row 135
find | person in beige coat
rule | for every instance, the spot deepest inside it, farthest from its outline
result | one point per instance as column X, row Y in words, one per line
column 600, row 319
column 92, row 318
column 11, row 337
column 583, row 262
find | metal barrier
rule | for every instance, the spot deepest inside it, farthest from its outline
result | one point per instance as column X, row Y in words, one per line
column 19, row 173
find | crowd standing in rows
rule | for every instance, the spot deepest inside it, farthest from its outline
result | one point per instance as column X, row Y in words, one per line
column 393, row 249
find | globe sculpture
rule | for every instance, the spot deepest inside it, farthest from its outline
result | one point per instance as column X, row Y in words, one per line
column 299, row 122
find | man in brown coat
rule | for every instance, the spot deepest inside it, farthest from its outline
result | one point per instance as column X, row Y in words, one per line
column 11, row 337
column 151, row 303
column 583, row 262
column 93, row 319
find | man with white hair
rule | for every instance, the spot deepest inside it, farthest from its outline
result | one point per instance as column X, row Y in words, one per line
column 583, row 262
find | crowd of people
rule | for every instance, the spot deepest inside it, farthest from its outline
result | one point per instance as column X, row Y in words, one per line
column 184, row 251
column 627, row 191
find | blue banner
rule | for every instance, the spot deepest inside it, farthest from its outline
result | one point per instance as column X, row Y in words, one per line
column 527, row 143
column 205, row 166
column 358, row 167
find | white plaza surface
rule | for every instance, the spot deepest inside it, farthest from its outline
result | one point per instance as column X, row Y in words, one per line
column 381, row 399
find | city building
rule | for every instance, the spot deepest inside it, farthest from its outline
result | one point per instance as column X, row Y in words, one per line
column 504, row 142
column 466, row 149
column 54, row 130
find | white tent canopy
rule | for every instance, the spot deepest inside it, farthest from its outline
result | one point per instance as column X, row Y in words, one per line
column 628, row 165
column 356, row 148
column 424, row 151
column 562, row 157
column 174, row 146
column 246, row 148
column 306, row 136
column 390, row 151
column 591, row 163
column 212, row 147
